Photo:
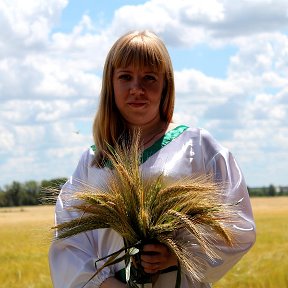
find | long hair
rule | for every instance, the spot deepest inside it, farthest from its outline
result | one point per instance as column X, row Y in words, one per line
column 138, row 49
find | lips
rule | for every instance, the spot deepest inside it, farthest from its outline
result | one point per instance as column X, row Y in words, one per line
column 137, row 104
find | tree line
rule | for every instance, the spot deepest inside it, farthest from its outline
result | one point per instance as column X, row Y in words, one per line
column 30, row 192
column 271, row 190
column 45, row 192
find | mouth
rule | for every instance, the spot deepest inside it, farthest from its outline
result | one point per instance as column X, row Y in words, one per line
column 137, row 104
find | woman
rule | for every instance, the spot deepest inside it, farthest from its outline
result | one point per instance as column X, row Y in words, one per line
column 138, row 91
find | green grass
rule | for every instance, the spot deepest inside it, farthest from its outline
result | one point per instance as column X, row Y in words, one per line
column 24, row 236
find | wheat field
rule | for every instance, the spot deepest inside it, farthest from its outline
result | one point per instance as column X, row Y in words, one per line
column 25, row 236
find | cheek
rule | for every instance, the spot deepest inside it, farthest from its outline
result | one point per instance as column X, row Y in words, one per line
column 117, row 101
column 156, row 96
column 156, row 92
column 117, row 95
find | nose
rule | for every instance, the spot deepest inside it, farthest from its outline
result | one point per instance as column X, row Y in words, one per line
column 136, row 87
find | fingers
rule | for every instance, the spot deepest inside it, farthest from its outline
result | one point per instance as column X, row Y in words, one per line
column 158, row 248
column 157, row 257
column 151, row 268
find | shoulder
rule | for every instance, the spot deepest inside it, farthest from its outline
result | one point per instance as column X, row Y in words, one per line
column 88, row 155
column 204, row 139
column 85, row 162
column 209, row 140
column 199, row 133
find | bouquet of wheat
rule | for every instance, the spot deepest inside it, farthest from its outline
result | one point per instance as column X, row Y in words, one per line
column 148, row 210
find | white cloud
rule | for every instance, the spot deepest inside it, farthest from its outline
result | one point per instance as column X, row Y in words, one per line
column 204, row 11
column 85, row 47
column 249, row 17
column 33, row 151
column 7, row 140
column 204, row 88
column 265, row 54
column 248, row 110
column 213, row 22
column 49, row 80
column 26, row 25
column 33, row 112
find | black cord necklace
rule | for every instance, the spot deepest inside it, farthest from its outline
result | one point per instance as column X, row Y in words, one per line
column 154, row 135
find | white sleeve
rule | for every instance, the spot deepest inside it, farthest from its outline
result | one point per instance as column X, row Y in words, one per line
column 222, row 164
column 72, row 260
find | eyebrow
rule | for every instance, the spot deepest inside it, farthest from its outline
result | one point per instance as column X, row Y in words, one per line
column 122, row 70
column 130, row 71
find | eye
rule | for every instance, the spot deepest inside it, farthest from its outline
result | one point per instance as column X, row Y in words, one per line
column 125, row 76
column 150, row 77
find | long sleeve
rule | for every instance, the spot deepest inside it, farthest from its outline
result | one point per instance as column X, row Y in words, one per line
column 220, row 162
column 72, row 260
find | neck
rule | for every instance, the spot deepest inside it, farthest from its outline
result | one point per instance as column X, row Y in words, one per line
column 153, row 133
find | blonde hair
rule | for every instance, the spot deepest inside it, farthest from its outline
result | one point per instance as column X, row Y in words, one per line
column 138, row 49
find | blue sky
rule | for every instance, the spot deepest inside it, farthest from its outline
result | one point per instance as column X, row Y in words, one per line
column 230, row 62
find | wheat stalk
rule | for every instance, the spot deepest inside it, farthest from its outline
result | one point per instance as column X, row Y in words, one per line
column 141, row 210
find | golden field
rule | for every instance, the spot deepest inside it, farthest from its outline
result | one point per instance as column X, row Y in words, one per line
column 25, row 236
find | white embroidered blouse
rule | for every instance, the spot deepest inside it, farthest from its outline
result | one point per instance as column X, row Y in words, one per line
column 181, row 152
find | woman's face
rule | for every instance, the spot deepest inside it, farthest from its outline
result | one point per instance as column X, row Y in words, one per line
column 138, row 94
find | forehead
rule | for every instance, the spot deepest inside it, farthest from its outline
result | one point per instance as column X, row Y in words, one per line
column 133, row 68
column 139, row 64
column 138, row 57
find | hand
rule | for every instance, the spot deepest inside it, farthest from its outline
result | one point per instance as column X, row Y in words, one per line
column 160, row 259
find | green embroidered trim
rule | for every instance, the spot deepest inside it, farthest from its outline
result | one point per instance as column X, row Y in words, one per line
column 160, row 143
column 163, row 141
column 121, row 275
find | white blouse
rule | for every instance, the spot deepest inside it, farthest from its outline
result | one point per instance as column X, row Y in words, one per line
column 181, row 152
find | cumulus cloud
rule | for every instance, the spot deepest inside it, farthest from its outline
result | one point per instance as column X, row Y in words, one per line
column 243, row 18
column 26, row 25
column 248, row 109
column 50, row 80
column 45, row 86
column 214, row 22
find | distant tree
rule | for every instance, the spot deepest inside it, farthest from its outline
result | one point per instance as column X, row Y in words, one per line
column 46, row 192
column 256, row 191
column 271, row 190
column 56, row 183
column 50, row 190
column 32, row 193
column 3, row 199
column 13, row 194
